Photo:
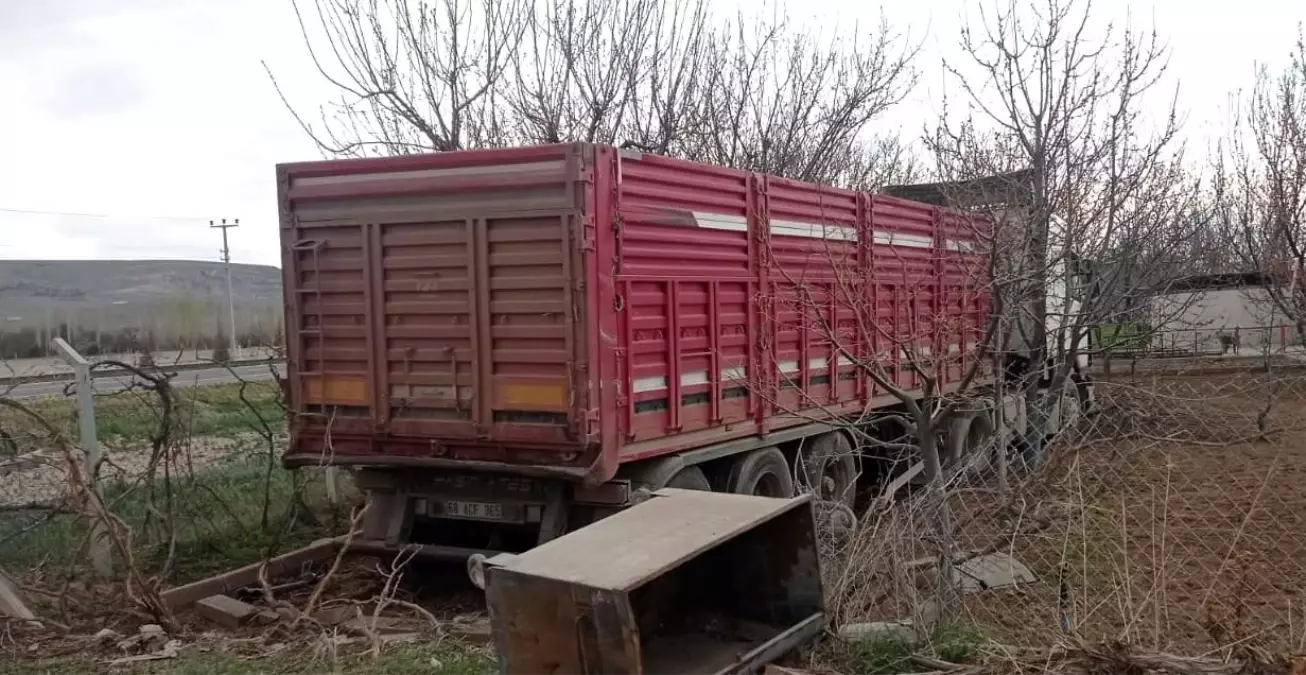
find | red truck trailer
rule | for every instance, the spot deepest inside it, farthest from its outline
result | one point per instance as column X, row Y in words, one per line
column 507, row 342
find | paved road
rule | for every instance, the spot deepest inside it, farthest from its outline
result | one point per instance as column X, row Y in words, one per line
column 186, row 378
column 54, row 364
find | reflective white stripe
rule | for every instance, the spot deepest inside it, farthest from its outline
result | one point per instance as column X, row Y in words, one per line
column 807, row 230
column 696, row 377
column 903, row 239
column 735, row 373
column 793, row 228
column 818, row 363
column 788, row 366
column 845, row 361
column 691, row 379
column 960, row 245
column 790, row 228
column 721, row 221
column 644, row 384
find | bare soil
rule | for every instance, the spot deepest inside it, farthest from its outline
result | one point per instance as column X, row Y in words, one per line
column 1180, row 522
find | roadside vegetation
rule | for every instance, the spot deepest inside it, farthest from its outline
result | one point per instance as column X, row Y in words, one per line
column 131, row 417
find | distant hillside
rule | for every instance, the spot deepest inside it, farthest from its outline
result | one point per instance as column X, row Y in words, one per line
column 118, row 293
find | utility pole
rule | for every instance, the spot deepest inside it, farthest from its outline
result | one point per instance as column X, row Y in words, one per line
column 231, row 301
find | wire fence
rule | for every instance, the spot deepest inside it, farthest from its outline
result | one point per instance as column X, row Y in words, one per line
column 1170, row 520
column 1166, row 523
column 185, row 482
column 1136, row 341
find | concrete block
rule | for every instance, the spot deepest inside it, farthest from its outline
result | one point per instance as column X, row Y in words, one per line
column 995, row 570
column 225, row 610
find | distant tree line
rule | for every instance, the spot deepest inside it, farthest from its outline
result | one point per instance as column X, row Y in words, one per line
column 31, row 342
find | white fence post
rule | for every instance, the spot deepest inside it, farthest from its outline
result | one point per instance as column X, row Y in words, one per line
column 101, row 558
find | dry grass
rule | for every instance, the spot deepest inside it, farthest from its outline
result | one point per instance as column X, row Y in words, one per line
column 1172, row 522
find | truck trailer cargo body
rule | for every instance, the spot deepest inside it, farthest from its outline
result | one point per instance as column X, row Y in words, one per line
column 545, row 316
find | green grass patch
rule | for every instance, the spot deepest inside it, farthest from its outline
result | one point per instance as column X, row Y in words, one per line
column 223, row 516
column 957, row 641
column 431, row 658
column 951, row 641
column 135, row 416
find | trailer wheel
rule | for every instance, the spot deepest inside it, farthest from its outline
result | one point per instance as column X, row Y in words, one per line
column 690, row 478
column 1070, row 408
column 966, row 436
column 762, row 472
column 829, row 469
column 669, row 472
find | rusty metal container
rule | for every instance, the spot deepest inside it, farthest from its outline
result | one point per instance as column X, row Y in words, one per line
column 685, row 582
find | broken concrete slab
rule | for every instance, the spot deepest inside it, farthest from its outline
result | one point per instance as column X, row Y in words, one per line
column 991, row 571
column 147, row 635
column 225, row 610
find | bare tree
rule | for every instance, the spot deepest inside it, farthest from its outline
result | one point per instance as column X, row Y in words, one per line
column 894, row 328
column 1063, row 114
column 1261, row 187
column 664, row 77
column 412, row 76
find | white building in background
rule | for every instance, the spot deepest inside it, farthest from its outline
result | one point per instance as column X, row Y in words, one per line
column 1220, row 313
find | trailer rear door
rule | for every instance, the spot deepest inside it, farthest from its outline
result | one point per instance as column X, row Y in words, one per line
column 431, row 296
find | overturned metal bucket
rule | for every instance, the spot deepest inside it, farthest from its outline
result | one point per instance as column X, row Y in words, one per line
column 685, row 582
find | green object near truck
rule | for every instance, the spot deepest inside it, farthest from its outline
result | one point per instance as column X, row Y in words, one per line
column 1121, row 337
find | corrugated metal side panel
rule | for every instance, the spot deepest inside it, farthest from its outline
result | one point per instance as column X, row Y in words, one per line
column 722, row 276
column 685, row 285
column 455, row 322
column 817, row 289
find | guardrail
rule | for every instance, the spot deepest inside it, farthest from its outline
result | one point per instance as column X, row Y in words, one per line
column 120, row 372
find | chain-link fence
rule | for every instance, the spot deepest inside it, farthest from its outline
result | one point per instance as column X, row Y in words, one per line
column 1170, row 521
column 188, row 482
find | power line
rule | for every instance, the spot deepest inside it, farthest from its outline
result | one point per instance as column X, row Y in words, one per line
column 74, row 214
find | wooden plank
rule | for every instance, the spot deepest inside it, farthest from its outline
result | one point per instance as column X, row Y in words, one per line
column 182, row 597
column 626, row 549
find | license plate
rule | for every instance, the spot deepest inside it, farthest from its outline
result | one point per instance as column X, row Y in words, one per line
column 473, row 510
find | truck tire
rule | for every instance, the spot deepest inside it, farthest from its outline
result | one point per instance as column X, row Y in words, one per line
column 669, row 472
column 690, row 478
column 829, row 468
column 967, row 436
column 762, row 472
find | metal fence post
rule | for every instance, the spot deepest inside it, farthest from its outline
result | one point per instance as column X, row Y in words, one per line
column 101, row 558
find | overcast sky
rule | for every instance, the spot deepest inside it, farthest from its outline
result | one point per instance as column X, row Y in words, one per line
column 141, row 120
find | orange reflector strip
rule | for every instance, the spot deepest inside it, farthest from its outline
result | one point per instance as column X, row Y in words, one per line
column 344, row 389
column 517, row 394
